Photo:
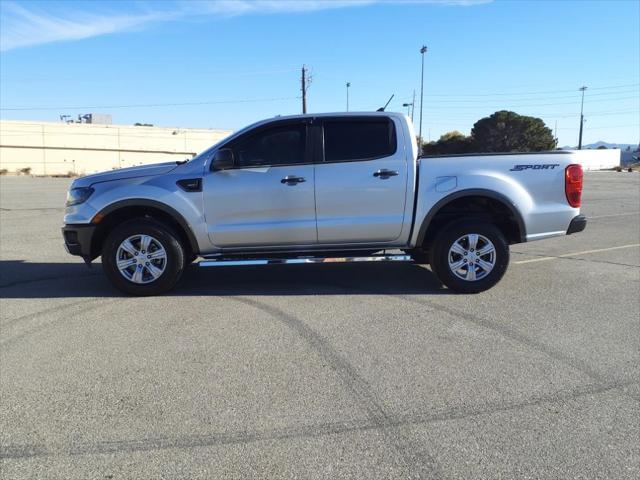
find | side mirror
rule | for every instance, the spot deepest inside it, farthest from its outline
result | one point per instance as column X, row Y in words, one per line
column 222, row 160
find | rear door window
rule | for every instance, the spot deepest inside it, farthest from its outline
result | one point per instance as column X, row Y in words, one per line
column 358, row 139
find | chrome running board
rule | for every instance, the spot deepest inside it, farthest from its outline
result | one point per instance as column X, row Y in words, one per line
column 301, row 260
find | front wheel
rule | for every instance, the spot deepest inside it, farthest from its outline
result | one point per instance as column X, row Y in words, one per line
column 143, row 257
column 469, row 256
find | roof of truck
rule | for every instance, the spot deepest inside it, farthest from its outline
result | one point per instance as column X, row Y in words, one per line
column 338, row 114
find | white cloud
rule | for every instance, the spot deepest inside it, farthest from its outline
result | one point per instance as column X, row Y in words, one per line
column 242, row 7
column 23, row 27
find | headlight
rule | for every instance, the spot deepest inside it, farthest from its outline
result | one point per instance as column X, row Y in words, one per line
column 76, row 196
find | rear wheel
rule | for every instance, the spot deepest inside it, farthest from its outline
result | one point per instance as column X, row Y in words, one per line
column 143, row 257
column 469, row 256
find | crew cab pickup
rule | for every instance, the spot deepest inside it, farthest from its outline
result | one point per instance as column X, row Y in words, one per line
column 319, row 188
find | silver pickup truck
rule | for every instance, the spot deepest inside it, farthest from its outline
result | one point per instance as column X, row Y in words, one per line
column 322, row 188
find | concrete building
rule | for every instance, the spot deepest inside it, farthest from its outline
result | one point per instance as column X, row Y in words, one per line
column 51, row 148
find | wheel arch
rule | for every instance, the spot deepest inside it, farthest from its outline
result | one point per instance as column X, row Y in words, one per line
column 110, row 216
column 485, row 201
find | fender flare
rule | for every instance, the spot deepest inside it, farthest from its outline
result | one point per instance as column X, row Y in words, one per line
column 144, row 202
column 473, row 192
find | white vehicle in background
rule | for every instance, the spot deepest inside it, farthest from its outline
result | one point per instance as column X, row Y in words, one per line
column 317, row 188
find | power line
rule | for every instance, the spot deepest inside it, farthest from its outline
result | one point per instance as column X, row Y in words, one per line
column 577, row 95
column 544, row 92
column 505, row 105
column 599, row 114
column 147, row 105
column 102, row 81
column 547, row 115
column 470, row 100
column 591, row 127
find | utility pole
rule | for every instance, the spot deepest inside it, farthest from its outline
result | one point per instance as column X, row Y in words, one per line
column 304, row 89
column 348, row 85
column 423, row 50
column 555, row 133
column 582, row 89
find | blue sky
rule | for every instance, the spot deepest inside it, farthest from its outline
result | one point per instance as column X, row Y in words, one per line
column 235, row 62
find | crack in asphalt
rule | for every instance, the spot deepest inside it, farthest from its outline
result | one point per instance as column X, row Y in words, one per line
column 521, row 338
column 8, row 452
column 30, row 316
column 508, row 333
column 10, row 340
column 513, row 335
column 418, row 462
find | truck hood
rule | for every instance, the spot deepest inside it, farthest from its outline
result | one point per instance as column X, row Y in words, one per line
column 123, row 173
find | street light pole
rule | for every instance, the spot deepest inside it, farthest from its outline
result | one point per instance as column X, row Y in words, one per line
column 413, row 104
column 409, row 106
column 348, row 85
column 423, row 50
column 582, row 89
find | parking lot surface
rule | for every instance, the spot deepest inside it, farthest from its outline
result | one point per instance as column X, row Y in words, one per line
column 323, row 371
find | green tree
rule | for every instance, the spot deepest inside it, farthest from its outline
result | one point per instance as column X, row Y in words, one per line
column 449, row 143
column 453, row 134
column 506, row 131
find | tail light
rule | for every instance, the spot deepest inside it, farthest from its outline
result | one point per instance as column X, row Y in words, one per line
column 573, row 184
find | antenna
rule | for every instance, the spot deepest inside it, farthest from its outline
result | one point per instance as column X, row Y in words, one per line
column 381, row 109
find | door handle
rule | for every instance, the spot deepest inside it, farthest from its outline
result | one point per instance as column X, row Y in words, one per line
column 384, row 173
column 292, row 180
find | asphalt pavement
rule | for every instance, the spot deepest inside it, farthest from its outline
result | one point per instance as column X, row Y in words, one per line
column 364, row 371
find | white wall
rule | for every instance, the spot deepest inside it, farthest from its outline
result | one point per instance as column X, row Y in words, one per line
column 50, row 148
column 598, row 159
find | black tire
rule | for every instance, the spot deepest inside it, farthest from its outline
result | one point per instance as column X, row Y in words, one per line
column 450, row 234
column 173, row 263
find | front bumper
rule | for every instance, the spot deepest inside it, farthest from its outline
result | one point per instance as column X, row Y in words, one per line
column 78, row 240
column 578, row 224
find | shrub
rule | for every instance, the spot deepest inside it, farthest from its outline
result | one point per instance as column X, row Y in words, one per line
column 449, row 143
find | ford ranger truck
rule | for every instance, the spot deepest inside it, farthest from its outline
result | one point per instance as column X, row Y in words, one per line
column 322, row 188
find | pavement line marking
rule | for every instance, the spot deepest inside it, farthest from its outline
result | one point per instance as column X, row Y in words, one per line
column 585, row 252
column 613, row 215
